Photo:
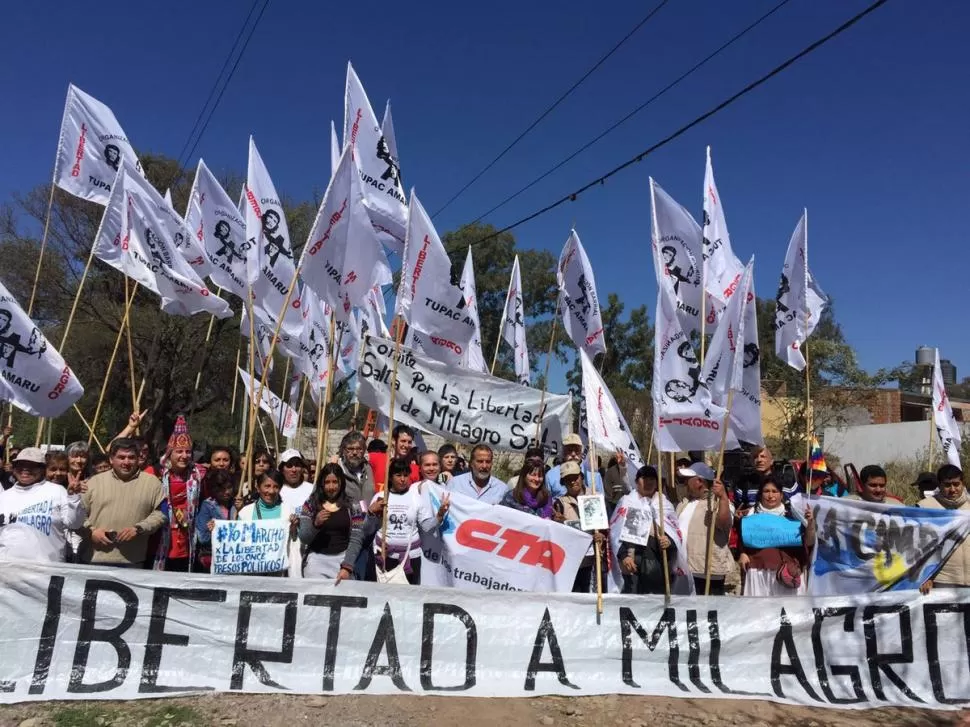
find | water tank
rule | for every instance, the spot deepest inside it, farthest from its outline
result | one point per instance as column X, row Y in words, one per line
column 949, row 372
column 925, row 356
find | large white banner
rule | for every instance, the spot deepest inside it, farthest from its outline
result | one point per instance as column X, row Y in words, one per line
column 90, row 149
column 139, row 236
column 33, row 375
column 282, row 414
column 579, row 303
column 72, row 632
column 459, row 404
column 481, row 547
column 864, row 546
column 946, row 425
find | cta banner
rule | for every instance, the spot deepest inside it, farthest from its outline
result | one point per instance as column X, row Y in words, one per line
column 459, row 404
column 483, row 547
column 72, row 632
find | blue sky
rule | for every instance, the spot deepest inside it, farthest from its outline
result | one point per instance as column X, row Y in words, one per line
column 870, row 132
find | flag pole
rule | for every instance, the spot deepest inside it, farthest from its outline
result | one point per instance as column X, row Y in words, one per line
column 299, row 414
column 323, row 423
column 929, row 461
column 660, row 489
column 205, row 344
column 235, row 381
column 131, row 355
column 712, row 526
column 111, row 363
column 808, row 416
column 597, row 549
column 545, row 378
column 286, row 390
column 501, row 326
column 249, row 428
column 67, row 326
column 360, row 360
column 398, row 335
column 88, row 427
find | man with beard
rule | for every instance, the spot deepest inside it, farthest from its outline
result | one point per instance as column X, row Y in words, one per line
column 357, row 470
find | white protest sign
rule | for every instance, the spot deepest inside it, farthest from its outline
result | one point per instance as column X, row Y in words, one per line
column 246, row 547
column 459, row 404
column 74, row 632
column 485, row 547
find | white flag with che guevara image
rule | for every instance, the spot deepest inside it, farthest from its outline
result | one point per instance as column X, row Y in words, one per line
column 722, row 270
column 139, row 236
column 513, row 326
column 426, row 299
column 799, row 303
column 579, row 302
column 685, row 417
column 33, row 375
column 475, row 357
column 380, row 172
column 90, row 149
column 343, row 260
column 951, row 438
column 677, row 242
column 271, row 269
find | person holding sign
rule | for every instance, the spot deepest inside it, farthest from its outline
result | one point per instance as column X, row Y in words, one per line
column 220, row 505
column 407, row 513
column 643, row 544
column 270, row 506
column 331, row 527
column 775, row 545
column 530, row 493
column 566, row 510
column 707, row 507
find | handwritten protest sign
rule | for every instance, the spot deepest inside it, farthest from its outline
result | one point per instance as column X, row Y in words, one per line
column 241, row 547
column 459, row 404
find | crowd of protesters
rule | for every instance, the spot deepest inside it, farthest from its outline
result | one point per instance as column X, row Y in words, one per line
column 126, row 510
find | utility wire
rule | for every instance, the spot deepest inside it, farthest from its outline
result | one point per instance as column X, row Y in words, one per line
column 684, row 129
column 635, row 111
column 215, row 85
column 550, row 109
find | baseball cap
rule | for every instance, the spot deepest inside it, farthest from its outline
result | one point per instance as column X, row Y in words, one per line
column 31, row 454
column 290, row 454
column 572, row 440
column 568, row 469
column 698, row 469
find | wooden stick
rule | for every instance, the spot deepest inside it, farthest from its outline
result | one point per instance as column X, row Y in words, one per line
column 299, row 415
column 90, row 430
column 286, row 390
column 929, row 462
column 235, row 380
column 545, row 378
column 398, row 335
column 660, row 490
column 597, row 549
column 715, row 509
column 111, row 363
column 67, row 328
column 198, row 376
column 131, row 354
column 248, row 433
column 808, row 420
column 328, row 393
column 501, row 327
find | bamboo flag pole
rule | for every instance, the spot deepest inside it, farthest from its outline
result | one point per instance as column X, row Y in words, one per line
column 88, row 427
column 284, row 392
column 660, row 490
column 299, row 414
column 323, row 423
column 716, row 507
column 808, row 417
column 545, row 378
column 929, row 463
column 501, row 327
column 131, row 354
column 235, row 381
column 205, row 343
column 398, row 335
column 111, row 363
column 360, row 359
column 249, row 432
column 67, row 326
column 597, row 547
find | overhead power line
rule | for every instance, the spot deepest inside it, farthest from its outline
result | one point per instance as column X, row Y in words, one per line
column 635, row 111
column 571, row 197
column 550, row 108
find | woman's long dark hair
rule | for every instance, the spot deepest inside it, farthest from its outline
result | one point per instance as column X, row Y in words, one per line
column 518, row 492
column 259, row 453
column 319, row 497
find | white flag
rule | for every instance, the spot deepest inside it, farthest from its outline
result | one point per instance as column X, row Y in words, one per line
column 314, row 358
column 342, row 260
column 283, row 415
column 219, row 228
column 733, row 357
column 426, row 299
column 380, row 172
column 476, row 360
column 190, row 246
column 722, row 270
column 270, row 270
column 372, row 314
column 513, row 325
column 677, row 246
column 579, row 303
column 33, row 375
column 685, row 418
column 946, row 426
column 334, row 149
column 137, row 237
column 91, row 148
column 799, row 303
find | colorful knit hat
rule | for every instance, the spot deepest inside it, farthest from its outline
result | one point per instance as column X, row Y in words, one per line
column 816, row 459
column 180, row 438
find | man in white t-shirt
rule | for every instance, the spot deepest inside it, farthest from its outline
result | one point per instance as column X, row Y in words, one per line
column 45, row 506
column 295, row 489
